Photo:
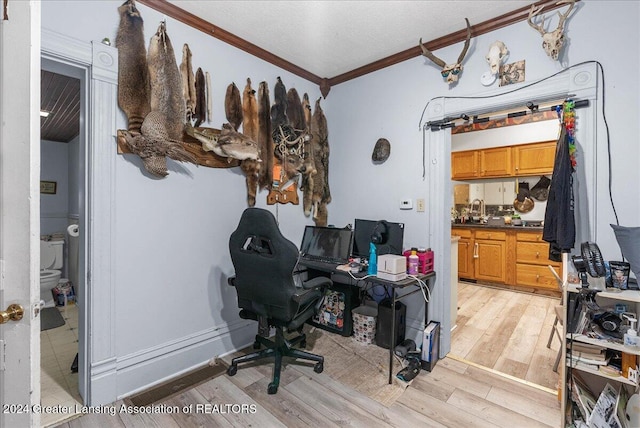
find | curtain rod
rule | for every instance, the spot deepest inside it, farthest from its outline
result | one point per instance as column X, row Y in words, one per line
column 448, row 122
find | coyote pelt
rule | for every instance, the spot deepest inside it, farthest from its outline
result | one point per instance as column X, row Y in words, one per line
column 133, row 75
column 233, row 106
column 166, row 84
column 320, row 142
column 309, row 164
column 265, row 141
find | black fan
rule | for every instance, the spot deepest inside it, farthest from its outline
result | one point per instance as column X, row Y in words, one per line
column 590, row 261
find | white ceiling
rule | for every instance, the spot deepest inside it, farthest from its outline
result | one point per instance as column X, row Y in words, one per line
column 328, row 38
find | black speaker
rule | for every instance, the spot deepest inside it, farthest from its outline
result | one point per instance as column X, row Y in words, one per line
column 383, row 323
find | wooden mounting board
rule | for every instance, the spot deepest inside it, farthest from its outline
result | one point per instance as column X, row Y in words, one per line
column 194, row 147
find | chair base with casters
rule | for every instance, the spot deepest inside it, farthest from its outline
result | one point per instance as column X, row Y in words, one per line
column 277, row 349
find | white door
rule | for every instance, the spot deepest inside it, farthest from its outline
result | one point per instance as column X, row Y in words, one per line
column 20, row 212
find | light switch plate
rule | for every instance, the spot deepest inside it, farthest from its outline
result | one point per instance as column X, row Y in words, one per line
column 420, row 205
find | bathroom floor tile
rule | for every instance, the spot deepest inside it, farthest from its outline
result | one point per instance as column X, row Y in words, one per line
column 58, row 348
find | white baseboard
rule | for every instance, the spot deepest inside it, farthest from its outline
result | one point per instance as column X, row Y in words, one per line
column 144, row 369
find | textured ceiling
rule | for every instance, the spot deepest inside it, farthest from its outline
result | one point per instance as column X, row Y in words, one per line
column 328, row 38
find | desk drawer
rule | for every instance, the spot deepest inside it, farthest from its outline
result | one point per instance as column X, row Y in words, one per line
column 463, row 233
column 529, row 236
column 494, row 235
column 535, row 276
column 533, row 252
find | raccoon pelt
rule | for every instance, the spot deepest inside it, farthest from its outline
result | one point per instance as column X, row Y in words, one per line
column 265, row 141
column 133, row 74
column 320, row 142
column 154, row 144
column 295, row 111
column 279, row 108
column 166, row 84
column 188, row 82
column 233, row 106
column 201, row 98
column 309, row 169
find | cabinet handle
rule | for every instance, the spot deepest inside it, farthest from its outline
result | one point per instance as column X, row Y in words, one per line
column 537, row 254
column 537, row 278
column 475, row 251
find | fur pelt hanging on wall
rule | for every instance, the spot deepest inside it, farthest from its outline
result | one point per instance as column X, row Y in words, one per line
column 233, row 106
column 133, row 74
column 251, row 168
column 320, row 142
column 265, row 141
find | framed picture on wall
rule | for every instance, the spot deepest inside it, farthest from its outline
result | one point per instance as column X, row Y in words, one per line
column 48, row 187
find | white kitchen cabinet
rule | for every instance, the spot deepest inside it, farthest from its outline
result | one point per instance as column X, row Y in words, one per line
column 499, row 193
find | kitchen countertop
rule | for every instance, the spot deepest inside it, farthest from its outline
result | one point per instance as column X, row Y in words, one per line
column 486, row 226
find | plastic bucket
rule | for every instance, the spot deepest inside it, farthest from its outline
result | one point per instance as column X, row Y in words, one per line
column 364, row 323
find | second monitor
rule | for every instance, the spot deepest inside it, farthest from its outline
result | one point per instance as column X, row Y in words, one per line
column 387, row 237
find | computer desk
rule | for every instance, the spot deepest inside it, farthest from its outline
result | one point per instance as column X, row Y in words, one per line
column 343, row 277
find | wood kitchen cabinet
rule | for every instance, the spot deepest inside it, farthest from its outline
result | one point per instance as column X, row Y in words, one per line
column 465, row 252
column 515, row 257
column 464, row 165
column 532, row 260
column 485, row 163
column 534, row 159
column 489, row 255
column 495, row 162
column 507, row 161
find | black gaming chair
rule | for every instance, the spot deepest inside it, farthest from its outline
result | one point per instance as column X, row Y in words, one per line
column 264, row 261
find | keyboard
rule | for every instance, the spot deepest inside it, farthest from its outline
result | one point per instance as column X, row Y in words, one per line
column 320, row 259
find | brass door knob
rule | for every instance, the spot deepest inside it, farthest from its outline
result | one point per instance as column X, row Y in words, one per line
column 14, row 313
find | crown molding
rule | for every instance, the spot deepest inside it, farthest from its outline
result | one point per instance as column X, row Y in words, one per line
column 163, row 6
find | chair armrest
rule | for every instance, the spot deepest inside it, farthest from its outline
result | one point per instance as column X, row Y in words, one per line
column 317, row 282
column 305, row 296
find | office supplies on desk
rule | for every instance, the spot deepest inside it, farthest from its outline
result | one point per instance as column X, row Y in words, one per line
column 326, row 245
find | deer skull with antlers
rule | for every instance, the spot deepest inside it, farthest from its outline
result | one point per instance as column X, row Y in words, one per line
column 450, row 72
column 552, row 41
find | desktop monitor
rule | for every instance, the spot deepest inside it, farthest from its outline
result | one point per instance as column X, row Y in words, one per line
column 330, row 244
column 387, row 237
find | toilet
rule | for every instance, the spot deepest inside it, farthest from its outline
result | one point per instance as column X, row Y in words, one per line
column 51, row 257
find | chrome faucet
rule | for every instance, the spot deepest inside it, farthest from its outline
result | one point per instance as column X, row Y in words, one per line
column 481, row 208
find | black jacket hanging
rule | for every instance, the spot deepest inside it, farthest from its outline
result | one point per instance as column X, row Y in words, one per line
column 559, row 221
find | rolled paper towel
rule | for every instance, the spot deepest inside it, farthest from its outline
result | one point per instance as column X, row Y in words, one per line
column 73, row 230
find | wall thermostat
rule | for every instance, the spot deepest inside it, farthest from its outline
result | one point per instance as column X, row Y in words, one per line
column 406, row 204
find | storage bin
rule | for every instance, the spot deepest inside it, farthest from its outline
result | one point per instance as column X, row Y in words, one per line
column 364, row 323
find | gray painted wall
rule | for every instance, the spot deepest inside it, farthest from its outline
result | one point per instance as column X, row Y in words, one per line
column 171, row 235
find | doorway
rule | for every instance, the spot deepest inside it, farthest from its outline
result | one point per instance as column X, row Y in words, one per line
column 62, row 219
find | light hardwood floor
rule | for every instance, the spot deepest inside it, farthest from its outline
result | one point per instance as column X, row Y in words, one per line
column 506, row 331
column 453, row 395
